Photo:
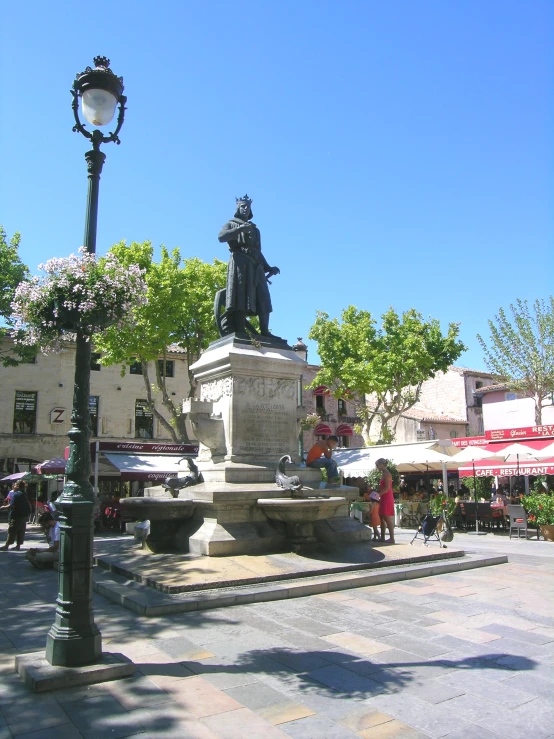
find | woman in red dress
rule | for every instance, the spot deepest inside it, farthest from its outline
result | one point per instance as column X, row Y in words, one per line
column 386, row 502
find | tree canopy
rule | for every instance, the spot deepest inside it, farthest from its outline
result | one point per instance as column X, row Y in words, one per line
column 388, row 363
column 12, row 272
column 520, row 351
column 178, row 314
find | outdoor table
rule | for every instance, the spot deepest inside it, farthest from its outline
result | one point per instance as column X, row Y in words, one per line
column 499, row 512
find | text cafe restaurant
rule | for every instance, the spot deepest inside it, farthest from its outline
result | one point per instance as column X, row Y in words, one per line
column 127, row 468
column 532, row 438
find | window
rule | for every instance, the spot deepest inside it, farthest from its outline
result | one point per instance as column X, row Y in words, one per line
column 341, row 407
column 27, row 358
column 93, row 410
column 144, row 420
column 453, row 434
column 167, row 367
column 135, row 368
column 478, row 385
column 320, row 437
column 25, row 412
column 95, row 361
column 344, row 441
column 510, row 396
column 320, row 404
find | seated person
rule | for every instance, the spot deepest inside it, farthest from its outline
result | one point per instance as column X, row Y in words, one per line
column 320, row 456
column 44, row 559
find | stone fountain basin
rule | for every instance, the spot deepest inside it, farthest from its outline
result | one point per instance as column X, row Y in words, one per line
column 159, row 509
column 303, row 510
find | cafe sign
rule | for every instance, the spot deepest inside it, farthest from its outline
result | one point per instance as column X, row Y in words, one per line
column 525, row 432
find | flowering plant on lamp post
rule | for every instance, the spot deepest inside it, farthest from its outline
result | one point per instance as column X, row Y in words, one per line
column 77, row 293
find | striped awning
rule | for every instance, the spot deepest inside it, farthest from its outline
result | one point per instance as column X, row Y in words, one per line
column 344, row 430
column 322, row 390
column 322, row 429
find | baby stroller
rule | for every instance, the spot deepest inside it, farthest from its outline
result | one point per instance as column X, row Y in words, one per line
column 431, row 528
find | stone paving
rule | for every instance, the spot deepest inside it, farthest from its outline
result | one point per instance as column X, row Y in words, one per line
column 461, row 655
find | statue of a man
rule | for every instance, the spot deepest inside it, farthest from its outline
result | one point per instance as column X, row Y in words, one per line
column 247, row 293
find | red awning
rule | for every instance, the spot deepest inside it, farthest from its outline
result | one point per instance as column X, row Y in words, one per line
column 322, row 429
column 508, row 469
column 537, row 444
column 344, row 430
column 322, row 390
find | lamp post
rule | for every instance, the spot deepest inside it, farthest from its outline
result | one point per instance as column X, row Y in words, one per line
column 74, row 640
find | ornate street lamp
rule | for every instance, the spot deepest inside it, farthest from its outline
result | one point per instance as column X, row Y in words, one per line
column 74, row 639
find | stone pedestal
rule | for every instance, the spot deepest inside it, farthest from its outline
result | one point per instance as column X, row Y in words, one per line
column 245, row 420
column 253, row 391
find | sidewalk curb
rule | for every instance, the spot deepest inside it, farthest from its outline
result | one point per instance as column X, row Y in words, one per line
column 146, row 601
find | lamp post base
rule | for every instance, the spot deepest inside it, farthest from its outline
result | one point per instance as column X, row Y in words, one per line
column 39, row 675
column 67, row 648
column 74, row 640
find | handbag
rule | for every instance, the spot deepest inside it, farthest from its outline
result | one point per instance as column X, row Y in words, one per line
column 447, row 533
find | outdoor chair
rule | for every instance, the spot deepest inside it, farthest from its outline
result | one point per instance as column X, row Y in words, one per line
column 518, row 519
column 470, row 512
column 484, row 514
column 408, row 517
column 458, row 518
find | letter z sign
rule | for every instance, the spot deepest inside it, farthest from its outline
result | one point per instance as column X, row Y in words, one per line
column 57, row 415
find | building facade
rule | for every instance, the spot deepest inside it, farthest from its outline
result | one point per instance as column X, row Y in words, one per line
column 449, row 407
column 36, row 401
column 505, row 409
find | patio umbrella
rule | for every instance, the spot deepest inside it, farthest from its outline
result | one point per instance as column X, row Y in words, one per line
column 475, row 454
column 517, row 452
column 13, row 477
column 55, row 466
column 546, row 452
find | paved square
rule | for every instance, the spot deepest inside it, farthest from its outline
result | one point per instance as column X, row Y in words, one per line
column 463, row 655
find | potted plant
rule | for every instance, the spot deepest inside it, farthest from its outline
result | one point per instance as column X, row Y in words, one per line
column 309, row 422
column 77, row 294
column 540, row 511
column 440, row 503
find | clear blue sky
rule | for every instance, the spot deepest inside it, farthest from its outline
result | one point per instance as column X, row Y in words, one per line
column 398, row 153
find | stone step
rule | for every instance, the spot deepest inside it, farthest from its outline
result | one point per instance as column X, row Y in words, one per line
column 146, row 601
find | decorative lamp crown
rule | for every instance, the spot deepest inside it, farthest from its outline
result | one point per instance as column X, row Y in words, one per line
column 100, row 91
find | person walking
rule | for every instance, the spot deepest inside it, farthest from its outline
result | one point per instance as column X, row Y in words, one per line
column 20, row 510
column 386, row 500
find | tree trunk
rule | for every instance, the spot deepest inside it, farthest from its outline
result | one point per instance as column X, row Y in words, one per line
column 177, row 417
column 165, row 423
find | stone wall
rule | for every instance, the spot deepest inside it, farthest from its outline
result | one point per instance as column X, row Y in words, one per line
column 51, row 377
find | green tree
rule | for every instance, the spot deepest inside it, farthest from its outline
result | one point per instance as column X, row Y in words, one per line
column 179, row 313
column 520, row 352
column 389, row 363
column 12, row 272
column 374, row 477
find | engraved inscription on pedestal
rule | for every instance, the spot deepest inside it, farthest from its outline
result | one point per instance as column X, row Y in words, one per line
column 264, row 416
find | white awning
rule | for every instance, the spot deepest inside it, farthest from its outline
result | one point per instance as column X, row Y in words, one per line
column 147, row 466
column 415, row 457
